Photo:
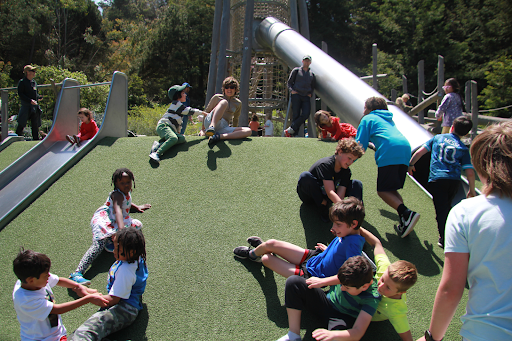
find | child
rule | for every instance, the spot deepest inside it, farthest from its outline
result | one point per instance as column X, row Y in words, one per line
column 392, row 155
column 88, row 127
column 403, row 103
column 478, row 249
column 449, row 156
column 254, row 125
column 451, row 106
column 269, row 126
column 169, row 126
column 328, row 180
column 107, row 219
column 126, row 284
column 348, row 307
column 393, row 280
column 35, row 306
column 346, row 215
column 332, row 125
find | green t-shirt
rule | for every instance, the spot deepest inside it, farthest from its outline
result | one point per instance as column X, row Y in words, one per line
column 352, row 305
column 393, row 309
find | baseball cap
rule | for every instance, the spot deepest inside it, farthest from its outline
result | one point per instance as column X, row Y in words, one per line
column 186, row 85
column 29, row 68
column 173, row 89
column 306, row 57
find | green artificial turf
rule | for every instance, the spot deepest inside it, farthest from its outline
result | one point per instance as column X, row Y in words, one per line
column 14, row 151
column 205, row 202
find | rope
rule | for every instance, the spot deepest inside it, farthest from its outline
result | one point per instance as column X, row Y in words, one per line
column 508, row 106
column 431, row 93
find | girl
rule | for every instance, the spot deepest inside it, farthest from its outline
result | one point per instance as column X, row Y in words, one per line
column 107, row 219
column 126, row 284
column 330, row 124
column 254, row 125
column 451, row 105
column 88, row 127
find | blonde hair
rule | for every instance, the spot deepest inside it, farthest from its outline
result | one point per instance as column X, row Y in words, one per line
column 404, row 274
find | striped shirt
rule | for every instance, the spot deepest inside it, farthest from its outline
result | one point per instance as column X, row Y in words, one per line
column 174, row 115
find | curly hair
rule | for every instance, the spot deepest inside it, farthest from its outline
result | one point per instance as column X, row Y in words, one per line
column 404, row 274
column 376, row 103
column 86, row 112
column 133, row 243
column 351, row 146
column 230, row 81
column 118, row 174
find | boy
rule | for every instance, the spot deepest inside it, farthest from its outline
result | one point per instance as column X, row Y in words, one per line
column 169, row 126
column 328, row 180
column 348, row 306
column 347, row 216
column 392, row 155
column 393, row 280
column 35, row 306
column 449, row 156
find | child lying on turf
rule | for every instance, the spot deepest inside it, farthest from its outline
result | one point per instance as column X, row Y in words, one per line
column 347, row 216
column 393, row 281
column 38, row 314
column 348, row 307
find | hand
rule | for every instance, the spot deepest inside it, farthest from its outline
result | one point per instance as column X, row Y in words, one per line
column 471, row 194
column 440, row 119
column 82, row 291
column 315, row 282
column 309, row 95
column 294, row 92
column 98, row 299
column 33, row 102
column 322, row 334
column 411, row 170
column 320, row 246
column 144, row 207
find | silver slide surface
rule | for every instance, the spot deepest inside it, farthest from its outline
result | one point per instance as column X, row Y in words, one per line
column 339, row 88
column 29, row 176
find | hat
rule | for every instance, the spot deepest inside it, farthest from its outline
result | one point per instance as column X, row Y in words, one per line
column 307, row 57
column 186, row 85
column 173, row 89
column 29, row 68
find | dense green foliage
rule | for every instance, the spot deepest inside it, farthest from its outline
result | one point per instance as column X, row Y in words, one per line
column 159, row 43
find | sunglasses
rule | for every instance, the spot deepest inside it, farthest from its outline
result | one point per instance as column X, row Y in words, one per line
column 230, row 87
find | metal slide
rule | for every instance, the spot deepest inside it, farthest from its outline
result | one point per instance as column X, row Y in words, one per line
column 29, row 176
column 339, row 88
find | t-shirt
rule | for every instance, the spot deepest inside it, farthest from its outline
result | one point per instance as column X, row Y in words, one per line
column 323, row 169
column 393, row 309
column 480, row 226
column 352, row 305
column 328, row 263
column 128, row 281
column 449, row 156
column 269, row 128
column 33, row 309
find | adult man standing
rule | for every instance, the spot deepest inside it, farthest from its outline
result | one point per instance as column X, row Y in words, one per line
column 301, row 83
column 27, row 90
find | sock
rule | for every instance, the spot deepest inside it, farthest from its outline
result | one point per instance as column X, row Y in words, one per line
column 252, row 255
column 401, row 209
column 292, row 336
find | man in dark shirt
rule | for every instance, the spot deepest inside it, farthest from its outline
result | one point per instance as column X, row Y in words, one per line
column 27, row 90
column 301, row 83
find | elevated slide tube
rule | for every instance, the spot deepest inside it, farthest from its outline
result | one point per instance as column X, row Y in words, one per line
column 29, row 176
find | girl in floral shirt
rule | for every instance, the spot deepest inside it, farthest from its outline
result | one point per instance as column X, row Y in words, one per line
column 113, row 215
column 451, row 106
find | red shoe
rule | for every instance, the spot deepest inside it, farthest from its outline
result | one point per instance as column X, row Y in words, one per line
column 287, row 133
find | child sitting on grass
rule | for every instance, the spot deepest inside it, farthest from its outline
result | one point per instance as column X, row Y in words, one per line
column 449, row 156
column 126, row 284
column 393, row 280
column 346, row 215
column 35, row 306
column 332, row 125
column 348, row 307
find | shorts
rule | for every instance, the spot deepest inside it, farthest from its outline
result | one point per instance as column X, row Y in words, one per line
column 301, row 269
column 222, row 127
column 391, row 178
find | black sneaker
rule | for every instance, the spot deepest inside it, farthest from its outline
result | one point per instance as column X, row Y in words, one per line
column 407, row 222
column 214, row 139
column 254, row 241
column 243, row 253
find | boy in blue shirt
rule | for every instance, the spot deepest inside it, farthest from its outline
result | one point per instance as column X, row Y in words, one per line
column 392, row 154
column 449, row 156
column 347, row 216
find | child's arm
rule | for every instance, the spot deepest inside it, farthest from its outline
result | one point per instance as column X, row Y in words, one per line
column 407, row 336
column 315, row 282
column 111, row 300
column 470, row 174
column 79, row 289
column 117, row 200
column 419, row 153
column 331, row 193
column 355, row 333
column 372, row 240
column 140, row 208
column 89, row 296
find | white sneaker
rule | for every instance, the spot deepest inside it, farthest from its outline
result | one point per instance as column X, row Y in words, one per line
column 154, row 156
column 290, row 337
column 155, row 147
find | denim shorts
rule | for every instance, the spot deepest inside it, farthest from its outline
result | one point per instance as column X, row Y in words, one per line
column 222, row 127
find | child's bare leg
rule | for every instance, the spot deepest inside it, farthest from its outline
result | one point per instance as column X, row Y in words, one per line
column 279, row 265
column 238, row 133
column 294, row 320
column 290, row 252
column 218, row 112
column 392, row 198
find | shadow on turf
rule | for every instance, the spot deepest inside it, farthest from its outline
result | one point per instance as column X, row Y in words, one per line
column 212, row 156
column 315, row 230
column 171, row 153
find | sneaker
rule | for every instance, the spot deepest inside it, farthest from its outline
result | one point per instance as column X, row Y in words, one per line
column 254, row 241
column 407, row 222
column 154, row 156
column 213, row 139
column 288, row 132
column 109, row 246
column 210, row 131
column 155, row 146
column 78, row 278
column 77, row 140
column 243, row 253
column 440, row 243
column 290, row 337
column 70, row 139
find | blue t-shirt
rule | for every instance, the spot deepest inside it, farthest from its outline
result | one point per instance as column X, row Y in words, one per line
column 128, row 281
column 392, row 148
column 328, row 263
column 449, row 157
